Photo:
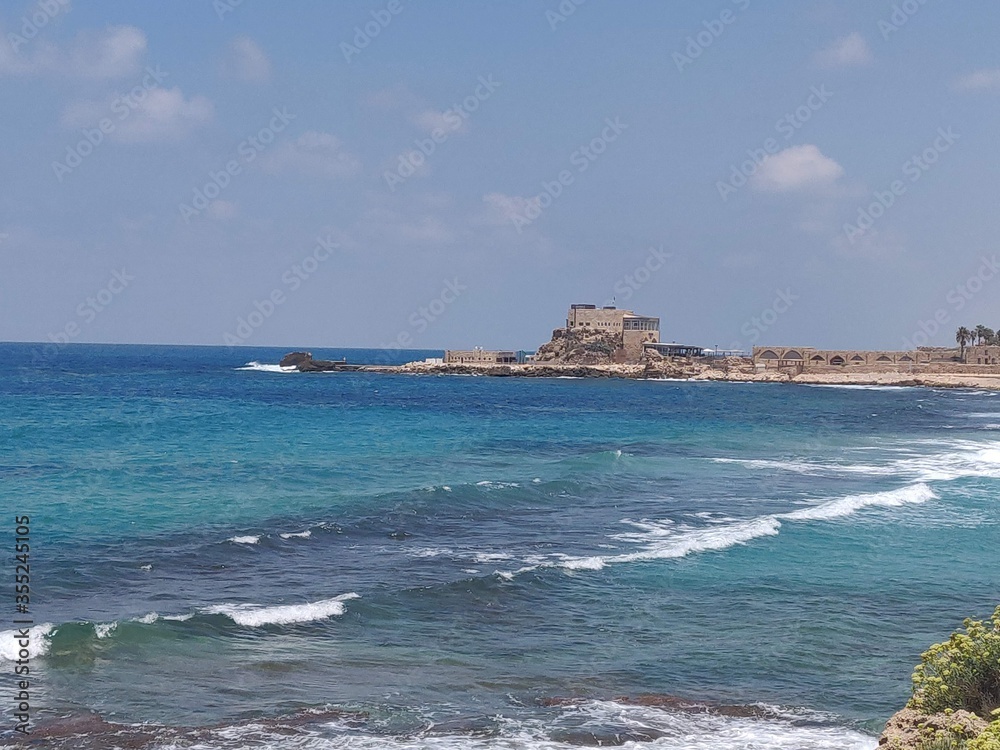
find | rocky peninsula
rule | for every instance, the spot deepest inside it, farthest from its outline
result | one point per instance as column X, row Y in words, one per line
column 728, row 369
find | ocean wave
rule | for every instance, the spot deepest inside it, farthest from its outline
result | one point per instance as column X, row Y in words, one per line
column 263, row 367
column 296, row 534
column 678, row 726
column 39, row 637
column 248, row 539
column 954, row 459
column 665, row 540
column 810, row 467
column 255, row 616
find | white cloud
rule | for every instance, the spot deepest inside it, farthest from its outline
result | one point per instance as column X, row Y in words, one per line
column 159, row 115
column 872, row 245
column 114, row 52
column 312, row 153
column 164, row 115
column 796, row 168
column 246, row 61
column 849, row 51
column 222, row 210
column 987, row 79
column 430, row 120
column 503, row 209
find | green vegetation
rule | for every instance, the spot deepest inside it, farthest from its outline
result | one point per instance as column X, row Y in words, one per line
column 961, row 674
column 979, row 336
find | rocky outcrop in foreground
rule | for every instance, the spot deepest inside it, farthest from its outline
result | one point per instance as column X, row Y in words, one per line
column 910, row 729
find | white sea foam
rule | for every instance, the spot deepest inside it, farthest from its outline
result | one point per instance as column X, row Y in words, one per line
column 497, row 485
column 146, row 567
column 38, row 645
column 244, row 539
column 105, row 629
column 148, row 619
column 665, row 540
column 845, row 506
column 262, row 367
column 810, row 467
column 297, row 535
column 255, row 616
column 678, row 730
column 490, row 557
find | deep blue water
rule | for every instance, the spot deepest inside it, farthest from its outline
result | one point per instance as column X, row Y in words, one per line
column 445, row 556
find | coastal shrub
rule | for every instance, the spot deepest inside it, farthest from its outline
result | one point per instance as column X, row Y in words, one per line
column 961, row 673
column 989, row 739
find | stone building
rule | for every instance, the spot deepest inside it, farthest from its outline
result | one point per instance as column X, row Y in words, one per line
column 635, row 330
column 806, row 358
column 479, row 357
column 982, row 355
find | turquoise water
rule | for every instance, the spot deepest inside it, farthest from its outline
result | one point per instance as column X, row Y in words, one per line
column 240, row 557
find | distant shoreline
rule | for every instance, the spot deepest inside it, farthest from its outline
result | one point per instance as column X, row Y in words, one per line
column 693, row 372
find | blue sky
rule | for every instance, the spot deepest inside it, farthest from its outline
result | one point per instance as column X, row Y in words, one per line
column 454, row 174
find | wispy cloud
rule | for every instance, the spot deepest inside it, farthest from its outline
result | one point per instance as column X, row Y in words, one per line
column 160, row 115
column 847, row 52
column 987, row 79
column 313, row 153
column 246, row 61
column 796, row 168
column 114, row 52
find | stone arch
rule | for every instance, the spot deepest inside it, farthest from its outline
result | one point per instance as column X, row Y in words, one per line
column 817, row 358
column 768, row 354
column 837, row 360
column 906, row 358
column 857, row 358
column 792, row 354
column 884, row 358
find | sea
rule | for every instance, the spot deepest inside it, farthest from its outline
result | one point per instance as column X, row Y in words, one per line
column 228, row 555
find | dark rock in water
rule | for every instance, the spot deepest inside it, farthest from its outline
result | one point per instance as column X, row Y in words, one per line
column 606, row 738
column 294, row 359
column 304, row 362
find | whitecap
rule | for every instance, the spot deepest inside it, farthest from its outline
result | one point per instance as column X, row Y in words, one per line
column 38, row 645
column 244, row 539
column 255, row 616
column 297, row 535
column 261, row 367
column 105, row 629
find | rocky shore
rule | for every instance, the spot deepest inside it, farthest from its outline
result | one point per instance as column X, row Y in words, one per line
column 732, row 369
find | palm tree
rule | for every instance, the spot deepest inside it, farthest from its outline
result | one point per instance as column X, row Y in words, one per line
column 963, row 336
column 989, row 336
column 980, row 333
